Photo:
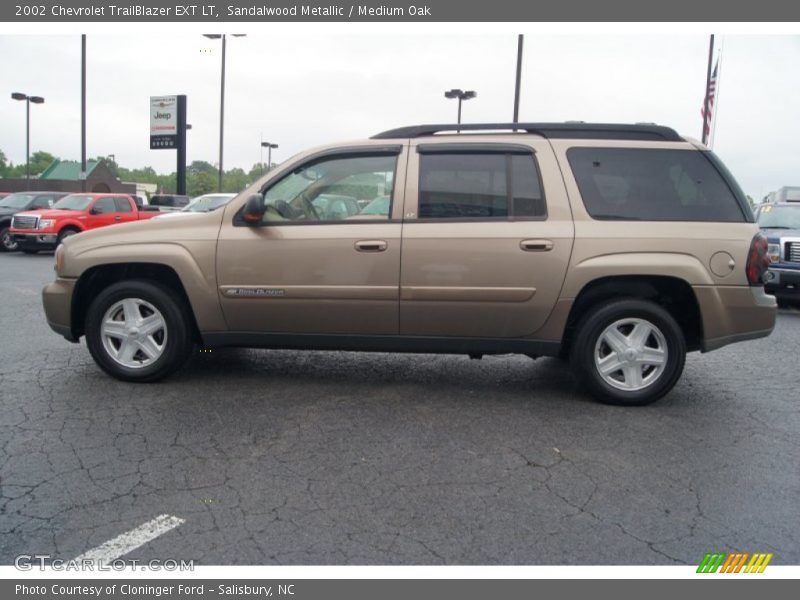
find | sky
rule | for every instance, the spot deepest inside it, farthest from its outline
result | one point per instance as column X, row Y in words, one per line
column 300, row 91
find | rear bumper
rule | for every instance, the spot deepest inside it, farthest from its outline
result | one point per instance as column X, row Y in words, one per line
column 734, row 314
column 35, row 241
column 57, row 301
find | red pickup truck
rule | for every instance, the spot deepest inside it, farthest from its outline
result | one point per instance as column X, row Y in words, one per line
column 44, row 229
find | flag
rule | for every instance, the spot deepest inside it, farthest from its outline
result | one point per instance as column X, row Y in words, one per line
column 708, row 115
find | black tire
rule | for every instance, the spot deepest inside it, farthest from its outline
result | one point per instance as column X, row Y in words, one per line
column 179, row 341
column 65, row 233
column 29, row 251
column 7, row 243
column 585, row 344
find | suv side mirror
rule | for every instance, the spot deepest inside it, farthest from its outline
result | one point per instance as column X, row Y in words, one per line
column 254, row 209
column 96, row 211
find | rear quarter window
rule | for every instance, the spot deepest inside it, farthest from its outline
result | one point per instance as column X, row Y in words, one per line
column 652, row 185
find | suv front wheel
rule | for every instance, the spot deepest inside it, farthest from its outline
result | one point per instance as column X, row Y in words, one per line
column 138, row 331
column 628, row 352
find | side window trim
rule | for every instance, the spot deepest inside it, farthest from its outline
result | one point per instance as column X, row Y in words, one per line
column 508, row 151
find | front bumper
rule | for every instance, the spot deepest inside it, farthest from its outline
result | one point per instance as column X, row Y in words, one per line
column 35, row 241
column 783, row 282
column 57, row 301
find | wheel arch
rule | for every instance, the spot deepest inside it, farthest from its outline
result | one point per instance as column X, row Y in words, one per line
column 673, row 294
column 71, row 224
column 98, row 278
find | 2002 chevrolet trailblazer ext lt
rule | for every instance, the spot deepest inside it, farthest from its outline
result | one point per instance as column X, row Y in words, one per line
column 619, row 247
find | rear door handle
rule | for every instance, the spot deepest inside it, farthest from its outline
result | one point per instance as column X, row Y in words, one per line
column 536, row 245
column 371, row 245
column 118, row 218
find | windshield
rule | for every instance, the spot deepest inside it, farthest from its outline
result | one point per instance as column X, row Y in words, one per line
column 207, row 203
column 784, row 217
column 16, row 201
column 73, row 202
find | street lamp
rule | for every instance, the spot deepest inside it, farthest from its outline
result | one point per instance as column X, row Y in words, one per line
column 28, row 100
column 461, row 95
column 218, row 36
column 269, row 148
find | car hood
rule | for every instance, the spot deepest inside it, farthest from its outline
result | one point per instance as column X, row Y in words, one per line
column 49, row 213
column 777, row 234
column 121, row 242
column 8, row 211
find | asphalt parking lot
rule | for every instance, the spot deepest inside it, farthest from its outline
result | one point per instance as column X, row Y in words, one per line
column 279, row 457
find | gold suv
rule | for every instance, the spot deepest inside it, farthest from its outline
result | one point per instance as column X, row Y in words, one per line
column 618, row 247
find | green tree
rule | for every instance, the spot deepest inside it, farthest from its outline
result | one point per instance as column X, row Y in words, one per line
column 3, row 164
column 257, row 171
column 235, row 180
column 40, row 160
column 111, row 163
column 201, row 166
column 200, row 183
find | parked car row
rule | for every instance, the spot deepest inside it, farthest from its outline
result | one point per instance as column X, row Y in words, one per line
column 35, row 221
column 12, row 204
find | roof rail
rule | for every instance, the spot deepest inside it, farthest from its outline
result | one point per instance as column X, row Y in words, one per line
column 571, row 130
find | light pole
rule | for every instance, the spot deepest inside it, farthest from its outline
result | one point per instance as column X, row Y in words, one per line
column 269, row 146
column 28, row 100
column 218, row 36
column 461, row 95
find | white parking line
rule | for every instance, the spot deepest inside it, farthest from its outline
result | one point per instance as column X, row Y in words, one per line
column 131, row 540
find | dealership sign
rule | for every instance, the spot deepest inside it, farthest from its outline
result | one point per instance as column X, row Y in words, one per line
column 163, row 122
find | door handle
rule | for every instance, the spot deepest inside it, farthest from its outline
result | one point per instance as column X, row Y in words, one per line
column 536, row 245
column 371, row 245
column 118, row 218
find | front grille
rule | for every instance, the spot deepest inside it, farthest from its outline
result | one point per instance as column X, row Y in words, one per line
column 25, row 222
column 793, row 251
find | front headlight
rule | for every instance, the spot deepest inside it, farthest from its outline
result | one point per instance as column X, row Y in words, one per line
column 59, row 266
column 774, row 252
column 46, row 223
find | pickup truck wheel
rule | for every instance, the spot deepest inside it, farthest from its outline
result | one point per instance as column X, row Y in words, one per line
column 7, row 243
column 65, row 234
column 138, row 331
column 628, row 352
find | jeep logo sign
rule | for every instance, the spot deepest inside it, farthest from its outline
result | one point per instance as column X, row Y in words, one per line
column 163, row 121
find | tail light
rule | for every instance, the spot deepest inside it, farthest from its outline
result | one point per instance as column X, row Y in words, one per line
column 757, row 260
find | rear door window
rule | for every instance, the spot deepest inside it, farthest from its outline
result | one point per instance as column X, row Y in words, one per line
column 652, row 185
column 123, row 204
column 104, row 206
column 479, row 186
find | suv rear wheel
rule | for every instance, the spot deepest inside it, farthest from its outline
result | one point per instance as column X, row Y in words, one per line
column 629, row 352
column 138, row 331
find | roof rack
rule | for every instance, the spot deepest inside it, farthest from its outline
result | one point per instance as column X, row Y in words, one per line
column 571, row 130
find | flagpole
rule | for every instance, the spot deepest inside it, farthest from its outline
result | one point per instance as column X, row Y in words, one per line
column 708, row 88
column 717, row 83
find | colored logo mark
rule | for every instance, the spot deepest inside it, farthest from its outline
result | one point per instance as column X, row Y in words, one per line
column 735, row 562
